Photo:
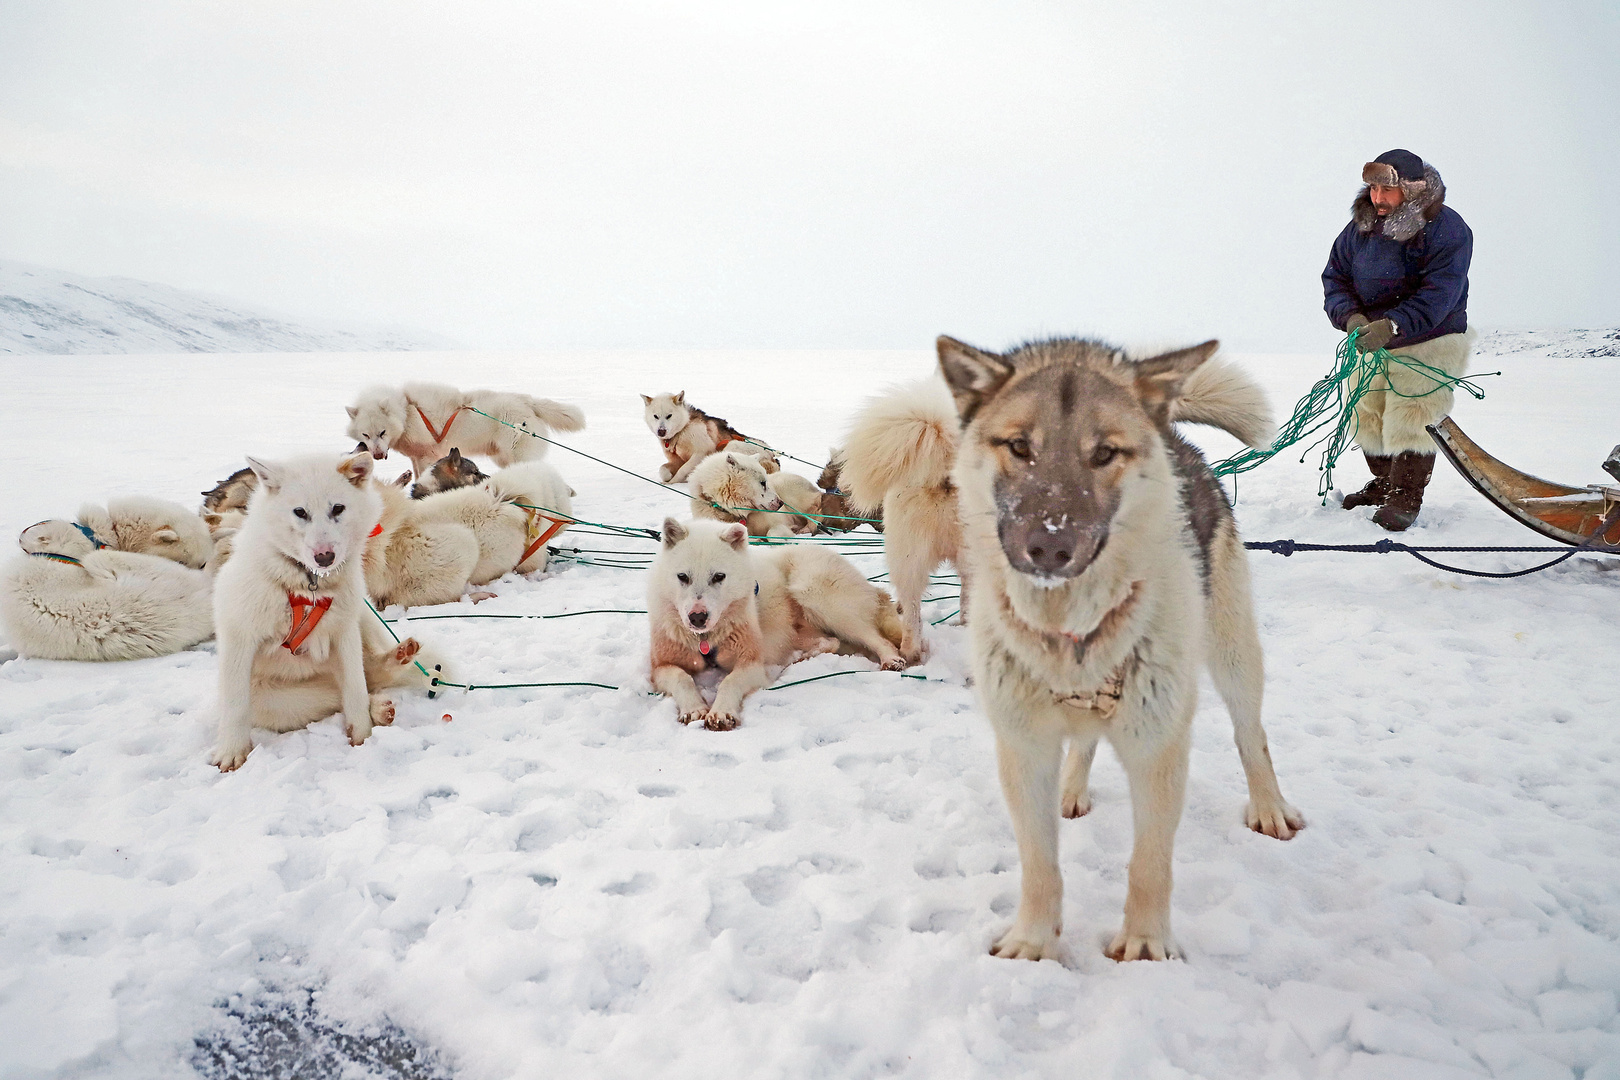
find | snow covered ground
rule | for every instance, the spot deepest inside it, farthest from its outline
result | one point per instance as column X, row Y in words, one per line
column 53, row 311
column 565, row 882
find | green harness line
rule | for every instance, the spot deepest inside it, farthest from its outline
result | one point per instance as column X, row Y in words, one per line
column 1332, row 401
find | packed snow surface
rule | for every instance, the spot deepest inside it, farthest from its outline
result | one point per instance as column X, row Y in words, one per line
column 53, row 311
column 564, row 881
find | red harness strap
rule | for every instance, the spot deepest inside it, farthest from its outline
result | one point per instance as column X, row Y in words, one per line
column 306, row 615
column 438, row 435
column 536, row 537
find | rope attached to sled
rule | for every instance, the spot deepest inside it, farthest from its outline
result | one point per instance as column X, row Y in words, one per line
column 1332, row 401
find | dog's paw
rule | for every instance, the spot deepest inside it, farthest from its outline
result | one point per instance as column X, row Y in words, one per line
column 1076, row 804
column 406, row 651
column 716, row 720
column 230, row 755
column 689, row 715
column 1028, row 943
column 382, row 713
column 359, row 733
column 1128, row 945
column 895, row 663
column 481, row 595
column 1274, row 819
column 665, row 474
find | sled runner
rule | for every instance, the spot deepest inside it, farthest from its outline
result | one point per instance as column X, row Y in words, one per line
column 1567, row 514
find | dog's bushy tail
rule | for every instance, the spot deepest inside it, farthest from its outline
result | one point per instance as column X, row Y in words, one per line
column 555, row 414
column 1222, row 395
column 903, row 439
column 533, row 483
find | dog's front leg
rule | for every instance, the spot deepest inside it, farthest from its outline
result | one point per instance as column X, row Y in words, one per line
column 348, row 653
column 1158, row 782
column 235, row 738
column 726, row 712
column 1029, row 780
column 676, row 682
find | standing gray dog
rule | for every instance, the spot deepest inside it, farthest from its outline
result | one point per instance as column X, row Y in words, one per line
column 1106, row 568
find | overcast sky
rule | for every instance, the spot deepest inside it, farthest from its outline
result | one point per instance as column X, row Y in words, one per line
column 828, row 174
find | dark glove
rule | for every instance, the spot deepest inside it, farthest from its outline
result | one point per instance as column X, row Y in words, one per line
column 1375, row 336
column 1355, row 322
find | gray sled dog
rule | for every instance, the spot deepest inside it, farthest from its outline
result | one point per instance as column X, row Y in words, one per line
column 67, row 599
column 1106, row 568
column 714, row 602
column 424, row 421
column 296, row 639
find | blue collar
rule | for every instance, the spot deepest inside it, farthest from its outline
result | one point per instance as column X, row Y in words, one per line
column 90, row 535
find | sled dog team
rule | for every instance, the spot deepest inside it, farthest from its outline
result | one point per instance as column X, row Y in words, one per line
column 1098, row 551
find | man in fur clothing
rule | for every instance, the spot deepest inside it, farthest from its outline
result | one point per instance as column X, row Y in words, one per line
column 1399, row 274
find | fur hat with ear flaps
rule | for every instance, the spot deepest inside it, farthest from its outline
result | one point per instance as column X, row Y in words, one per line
column 1422, row 195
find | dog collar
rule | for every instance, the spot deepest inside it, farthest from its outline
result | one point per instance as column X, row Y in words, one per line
column 90, row 535
column 56, row 558
column 307, row 613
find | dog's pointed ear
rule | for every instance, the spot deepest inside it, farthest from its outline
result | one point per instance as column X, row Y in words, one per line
column 454, row 454
column 356, row 469
column 973, row 375
column 353, row 412
column 212, row 520
column 269, row 474
column 680, row 398
column 735, row 534
column 645, row 400
column 166, row 536
column 402, row 479
column 1159, row 378
column 674, row 532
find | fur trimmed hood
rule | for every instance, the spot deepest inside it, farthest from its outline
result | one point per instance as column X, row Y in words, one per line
column 1422, row 201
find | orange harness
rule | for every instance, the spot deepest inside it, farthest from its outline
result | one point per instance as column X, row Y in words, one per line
column 307, row 613
column 535, row 537
column 438, row 435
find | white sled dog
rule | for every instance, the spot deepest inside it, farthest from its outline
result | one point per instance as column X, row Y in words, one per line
column 714, row 602
column 296, row 640
column 688, row 435
column 424, row 421
column 509, row 536
column 896, row 467
column 66, row 599
column 412, row 562
column 149, row 526
column 1106, row 568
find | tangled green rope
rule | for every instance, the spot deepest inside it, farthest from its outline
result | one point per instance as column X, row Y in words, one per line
column 1332, row 402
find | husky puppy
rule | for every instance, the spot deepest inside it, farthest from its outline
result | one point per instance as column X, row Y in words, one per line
column 510, row 537
column 1107, row 569
column 412, row 562
column 424, row 421
column 688, row 435
column 296, row 639
column 713, row 601
column 837, row 512
column 150, row 527
column 66, row 599
column 448, row 473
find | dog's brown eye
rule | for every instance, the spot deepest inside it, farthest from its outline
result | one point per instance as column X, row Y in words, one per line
column 338, row 509
column 300, row 513
column 684, row 579
column 717, row 579
column 1019, row 448
column 1103, row 455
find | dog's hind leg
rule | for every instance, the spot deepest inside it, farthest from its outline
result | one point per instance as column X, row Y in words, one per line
column 1077, row 775
column 1237, row 668
column 290, row 706
column 1029, row 780
column 908, row 573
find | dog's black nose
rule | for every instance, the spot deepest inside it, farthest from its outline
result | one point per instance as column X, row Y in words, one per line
column 699, row 618
column 324, row 558
column 1048, row 554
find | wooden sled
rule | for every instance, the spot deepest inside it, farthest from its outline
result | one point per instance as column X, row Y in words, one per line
column 1570, row 515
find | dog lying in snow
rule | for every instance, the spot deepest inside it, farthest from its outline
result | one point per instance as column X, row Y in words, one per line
column 424, row 421
column 715, row 602
column 509, row 537
column 688, row 435
column 1106, row 570
column 728, row 486
column 297, row 641
column 148, row 526
column 412, row 562
column 837, row 513
column 448, row 473
column 67, row 599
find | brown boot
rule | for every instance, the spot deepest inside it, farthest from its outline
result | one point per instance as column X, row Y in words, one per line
column 1408, row 476
column 1377, row 489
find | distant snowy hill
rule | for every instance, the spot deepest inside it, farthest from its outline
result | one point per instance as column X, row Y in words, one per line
column 53, row 311
column 1567, row 344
